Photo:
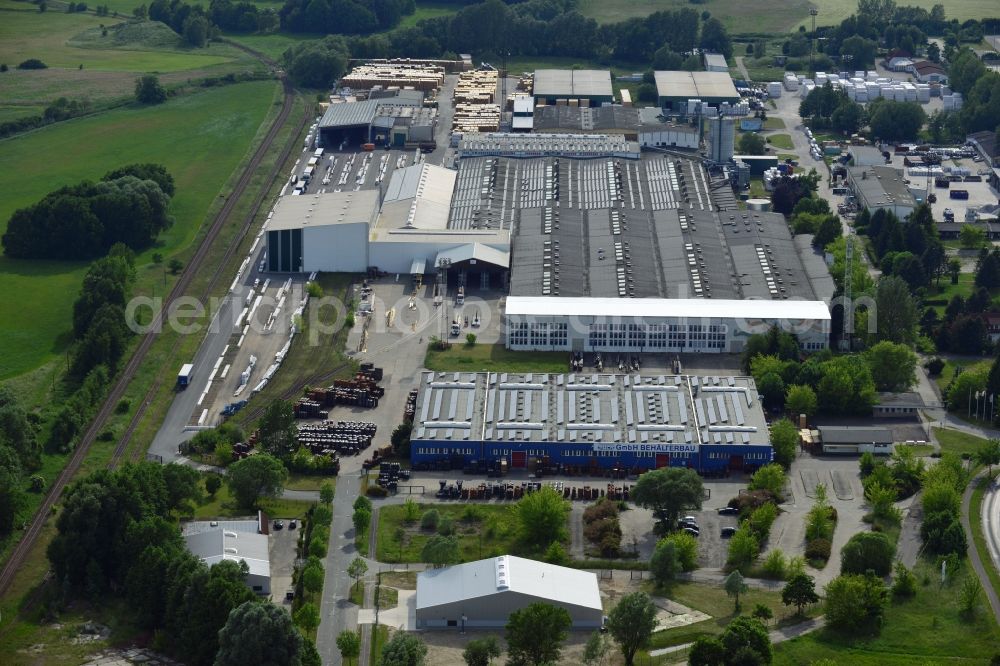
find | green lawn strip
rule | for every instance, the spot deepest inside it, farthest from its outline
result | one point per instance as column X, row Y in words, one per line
column 924, row 629
column 957, row 441
column 357, row 593
column 921, row 450
column 975, row 520
column 713, row 600
column 388, row 597
column 200, row 138
column 782, row 141
column 774, row 123
column 380, row 636
column 401, row 580
column 482, row 358
column 492, row 534
column 832, row 12
column 308, row 481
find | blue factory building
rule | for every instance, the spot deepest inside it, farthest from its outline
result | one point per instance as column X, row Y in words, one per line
column 602, row 424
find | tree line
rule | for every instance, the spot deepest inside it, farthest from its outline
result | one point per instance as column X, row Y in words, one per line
column 61, row 109
column 20, row 456
column 117, row 537
column 83, row 221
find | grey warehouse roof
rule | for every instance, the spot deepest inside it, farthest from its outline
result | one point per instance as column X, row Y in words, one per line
column 320, row 210
column 589, row 408
column 667, row 241
column 854, row 435
column 586, row 119
column 881, row 186
column 695, row 85
column 220, row 544
column 572, row 83
column 507, row 574
column 355, row 114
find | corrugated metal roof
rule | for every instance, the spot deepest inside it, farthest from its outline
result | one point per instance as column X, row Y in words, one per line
column 507, row 573
column 216, row 545
column 572, row 83
column 350, row 114
column 538, row 306
column 695, row 85
column 476, row 251
column 320, row 210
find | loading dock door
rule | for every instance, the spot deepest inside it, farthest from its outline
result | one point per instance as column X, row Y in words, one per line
column 736, row 462
column 518, row 459
column 662, row 460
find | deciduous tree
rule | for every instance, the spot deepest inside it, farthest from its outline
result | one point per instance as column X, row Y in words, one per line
column 535, row 634
column 255, row 477
column 631, row 623
column 668, row 491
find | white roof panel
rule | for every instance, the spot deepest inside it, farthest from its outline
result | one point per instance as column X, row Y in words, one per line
column 507, row 573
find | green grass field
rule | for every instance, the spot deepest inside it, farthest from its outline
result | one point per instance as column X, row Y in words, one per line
column 45, row 36
column 713, row 600
column 427, row 10
column 952, row 365
column 923, row 630
column 200, row 138
column 14, row 112
column 223, row 506
column 475, row 538
column 957, row 441
column 738, row 17
column 483, row 358
column 776, row 16
column 272, row 45
column 782, row 141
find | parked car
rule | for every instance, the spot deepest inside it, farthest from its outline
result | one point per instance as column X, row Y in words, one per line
column 292, row 524
column 692, row 531
column 728, row 532
column 279, row 524
column 689, row 519
column 728, row 511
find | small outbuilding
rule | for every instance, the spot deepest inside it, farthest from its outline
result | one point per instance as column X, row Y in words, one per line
column 905, row 405
column 484, row 593
column 855, row 440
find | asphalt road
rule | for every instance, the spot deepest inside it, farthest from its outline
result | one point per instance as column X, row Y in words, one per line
column 172, row 430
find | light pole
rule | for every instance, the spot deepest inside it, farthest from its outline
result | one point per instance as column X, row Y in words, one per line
column 812, row 38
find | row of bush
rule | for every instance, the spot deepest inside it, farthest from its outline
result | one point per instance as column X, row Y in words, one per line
column 820, row 524
column 601, row 527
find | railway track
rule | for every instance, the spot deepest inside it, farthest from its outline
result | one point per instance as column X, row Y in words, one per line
column 33, row 530
column 221, row 266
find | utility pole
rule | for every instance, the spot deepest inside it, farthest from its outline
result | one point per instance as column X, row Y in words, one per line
column 848, row 329
column 812, row 39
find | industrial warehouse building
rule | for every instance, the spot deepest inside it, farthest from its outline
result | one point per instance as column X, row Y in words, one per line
column 584, row 422
column 234, row 540
column 648, row 126
column 675, row 88
column 627, row 255
column 396, row 120
column 587, row 86
column 882, row 187
column 853, row 440
column 484, row 593
column 406, row 233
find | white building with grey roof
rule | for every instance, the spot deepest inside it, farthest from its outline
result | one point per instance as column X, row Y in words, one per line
column 484, row 593
column 234, row 540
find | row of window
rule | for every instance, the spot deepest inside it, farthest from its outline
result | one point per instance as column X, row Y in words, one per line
column 540, row 334
column 585, row 453
column 658, row 336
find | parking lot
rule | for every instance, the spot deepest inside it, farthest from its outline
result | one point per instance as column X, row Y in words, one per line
column 282, row 556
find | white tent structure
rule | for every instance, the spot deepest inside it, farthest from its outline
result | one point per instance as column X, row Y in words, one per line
column 484, row 593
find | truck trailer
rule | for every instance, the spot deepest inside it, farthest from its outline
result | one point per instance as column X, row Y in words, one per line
column 184, row 376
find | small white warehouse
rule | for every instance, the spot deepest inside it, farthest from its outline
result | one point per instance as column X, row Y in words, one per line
column 484, row 593
column 236, row 540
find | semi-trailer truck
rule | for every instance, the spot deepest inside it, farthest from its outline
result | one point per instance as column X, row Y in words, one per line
column 184, row 376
